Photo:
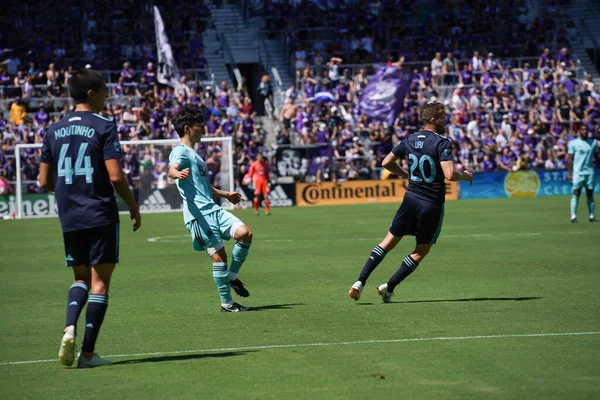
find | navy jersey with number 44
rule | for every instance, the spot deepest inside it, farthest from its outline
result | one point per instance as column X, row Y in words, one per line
column 76, row 148
column 424, row 151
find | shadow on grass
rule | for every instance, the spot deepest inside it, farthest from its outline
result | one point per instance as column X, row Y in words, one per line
column 471, row 299
column 182, row 357
column 277, row 307
column 454, row 300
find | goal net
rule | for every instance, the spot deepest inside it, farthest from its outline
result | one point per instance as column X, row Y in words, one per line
column 145, row 164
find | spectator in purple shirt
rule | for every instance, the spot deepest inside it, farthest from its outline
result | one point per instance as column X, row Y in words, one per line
column 210, row 127
column 506, row 160
column 143, row 88
column 128, row 75
column 565, row 57
column 425, row 78
column 223, row 95
column 532, row 87
column 150, row 74
column 341, row 93
column 465, row 76
column 488, row 164
column 41, row 116
column 547, row 95
column 227, row 125
column 309, row 87
column 545, row 60
column 247, row 127
column 569, row 83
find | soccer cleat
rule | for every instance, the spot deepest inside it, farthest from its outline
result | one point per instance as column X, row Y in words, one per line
column 592, row 219
column 235, row 307
column 66, row 353
column 355, row 291
column 383, row 292
column 257, row 213
column 268, row 213
column 239, row 288
column 573, row 220
column 95, row 361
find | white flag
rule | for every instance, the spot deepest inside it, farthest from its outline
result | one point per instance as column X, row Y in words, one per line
column 168, row 73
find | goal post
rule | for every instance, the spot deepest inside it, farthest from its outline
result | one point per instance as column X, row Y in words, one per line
column 145, row 164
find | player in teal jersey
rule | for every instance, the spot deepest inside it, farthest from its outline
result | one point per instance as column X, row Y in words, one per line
column 581, row 170
column 207, row 222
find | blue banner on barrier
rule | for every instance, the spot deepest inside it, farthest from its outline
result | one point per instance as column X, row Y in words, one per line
column 488, row 185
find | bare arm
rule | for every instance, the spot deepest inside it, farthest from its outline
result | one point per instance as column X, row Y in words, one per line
column 233, row 197
column 453, row 175
column 46, row 177
column 390, row 162
column 119, row 181
column 570, row 166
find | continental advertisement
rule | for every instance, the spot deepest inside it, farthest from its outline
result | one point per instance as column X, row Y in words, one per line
column 489, row 185
column 357, row 192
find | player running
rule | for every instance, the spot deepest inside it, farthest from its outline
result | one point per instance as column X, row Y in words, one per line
column 80, row 159
column 581, row 170
column 208, row 223
column 422, row 211
column 259, row 174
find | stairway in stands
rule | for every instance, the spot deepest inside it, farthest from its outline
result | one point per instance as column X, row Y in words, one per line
column 586, row 15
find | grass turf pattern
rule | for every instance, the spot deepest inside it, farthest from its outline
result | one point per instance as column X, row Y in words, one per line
column 501, row 267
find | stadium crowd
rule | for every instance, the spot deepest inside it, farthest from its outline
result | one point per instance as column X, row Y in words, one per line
column 502, row 115
column 500, row 118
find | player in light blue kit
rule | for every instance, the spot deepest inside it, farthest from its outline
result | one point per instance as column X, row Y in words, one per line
column 581, row 170
column 208, row 223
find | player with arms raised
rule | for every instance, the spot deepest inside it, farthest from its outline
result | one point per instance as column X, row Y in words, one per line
column 259, row 175
column 580, row 161
column 208, row 223
column 422, row 211
column 80, row 159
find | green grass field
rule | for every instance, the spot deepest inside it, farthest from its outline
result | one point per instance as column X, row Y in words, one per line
column 513, row 269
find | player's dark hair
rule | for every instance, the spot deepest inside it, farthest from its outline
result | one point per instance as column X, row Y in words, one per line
column 188, row 115
column 83, row 80
column 433, row 109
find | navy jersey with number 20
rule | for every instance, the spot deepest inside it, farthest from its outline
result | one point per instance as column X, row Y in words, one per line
column 76, row 148
column 424, row 151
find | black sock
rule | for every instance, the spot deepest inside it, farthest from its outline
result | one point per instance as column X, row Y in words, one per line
column 94, row 316
column 408, row 267
column 76, row 299
column 377, row 256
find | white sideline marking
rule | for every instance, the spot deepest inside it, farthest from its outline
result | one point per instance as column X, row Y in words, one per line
column 174, row 238
column 286, row 346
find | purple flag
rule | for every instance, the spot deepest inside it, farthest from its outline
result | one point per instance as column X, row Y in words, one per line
column 383, row 98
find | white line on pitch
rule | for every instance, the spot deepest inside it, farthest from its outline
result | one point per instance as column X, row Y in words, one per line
column 322, row 344
column 174, row 238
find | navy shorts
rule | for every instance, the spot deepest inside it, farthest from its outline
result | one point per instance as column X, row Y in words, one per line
column 93, row 246
column 418, row 217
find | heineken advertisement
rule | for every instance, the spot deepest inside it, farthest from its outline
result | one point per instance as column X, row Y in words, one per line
column 44, row 204
column 34, row 205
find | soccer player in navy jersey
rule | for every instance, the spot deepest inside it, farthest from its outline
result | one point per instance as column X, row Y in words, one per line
column 429, row 156
column 81, row 163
